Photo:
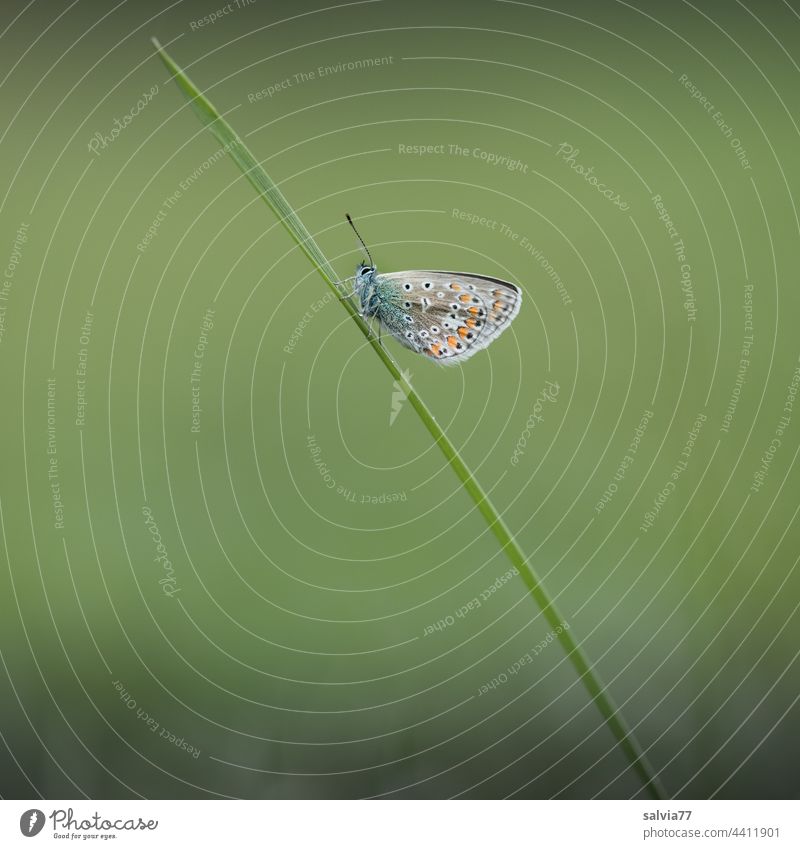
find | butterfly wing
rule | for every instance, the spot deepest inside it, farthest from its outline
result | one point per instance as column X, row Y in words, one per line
column 453, row 313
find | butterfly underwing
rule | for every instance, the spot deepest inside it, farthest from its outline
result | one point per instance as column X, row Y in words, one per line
column 447, row 315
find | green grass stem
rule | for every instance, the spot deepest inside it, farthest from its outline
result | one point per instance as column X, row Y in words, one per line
column 286, row 215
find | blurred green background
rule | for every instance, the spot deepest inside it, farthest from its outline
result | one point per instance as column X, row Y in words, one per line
column 312, row 535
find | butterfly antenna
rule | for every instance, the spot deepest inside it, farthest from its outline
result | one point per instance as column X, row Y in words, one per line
column 358, row 236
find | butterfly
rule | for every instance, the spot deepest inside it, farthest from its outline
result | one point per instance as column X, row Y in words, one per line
column 447, row 315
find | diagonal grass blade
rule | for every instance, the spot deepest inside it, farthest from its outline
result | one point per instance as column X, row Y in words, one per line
column 262, row 183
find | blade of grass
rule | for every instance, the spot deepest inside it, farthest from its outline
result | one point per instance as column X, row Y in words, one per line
column 251, row 168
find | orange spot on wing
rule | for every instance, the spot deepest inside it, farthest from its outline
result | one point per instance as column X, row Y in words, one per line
column 474, row 310
column 470, row 322
column 498, row 304
column 462, row 332
column 452, row 341
column 455, row 287
column 435, row 347
column 464, row 298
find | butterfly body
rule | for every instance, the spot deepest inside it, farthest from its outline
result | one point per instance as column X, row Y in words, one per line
column 447, row 315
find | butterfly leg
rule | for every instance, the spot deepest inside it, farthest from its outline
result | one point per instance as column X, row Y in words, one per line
column 351, row 293
column 372, row 320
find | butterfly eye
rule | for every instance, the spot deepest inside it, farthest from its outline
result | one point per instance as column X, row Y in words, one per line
column 408, row 318
column 407, row 305
column 409, row 334
column 454, row 307
column 440, row 294
column 434, row 329
column 423, row 334
column 407, row 287
column 427, row 284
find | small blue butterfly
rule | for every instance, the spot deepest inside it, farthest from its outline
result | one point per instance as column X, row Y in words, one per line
column 447, row 315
